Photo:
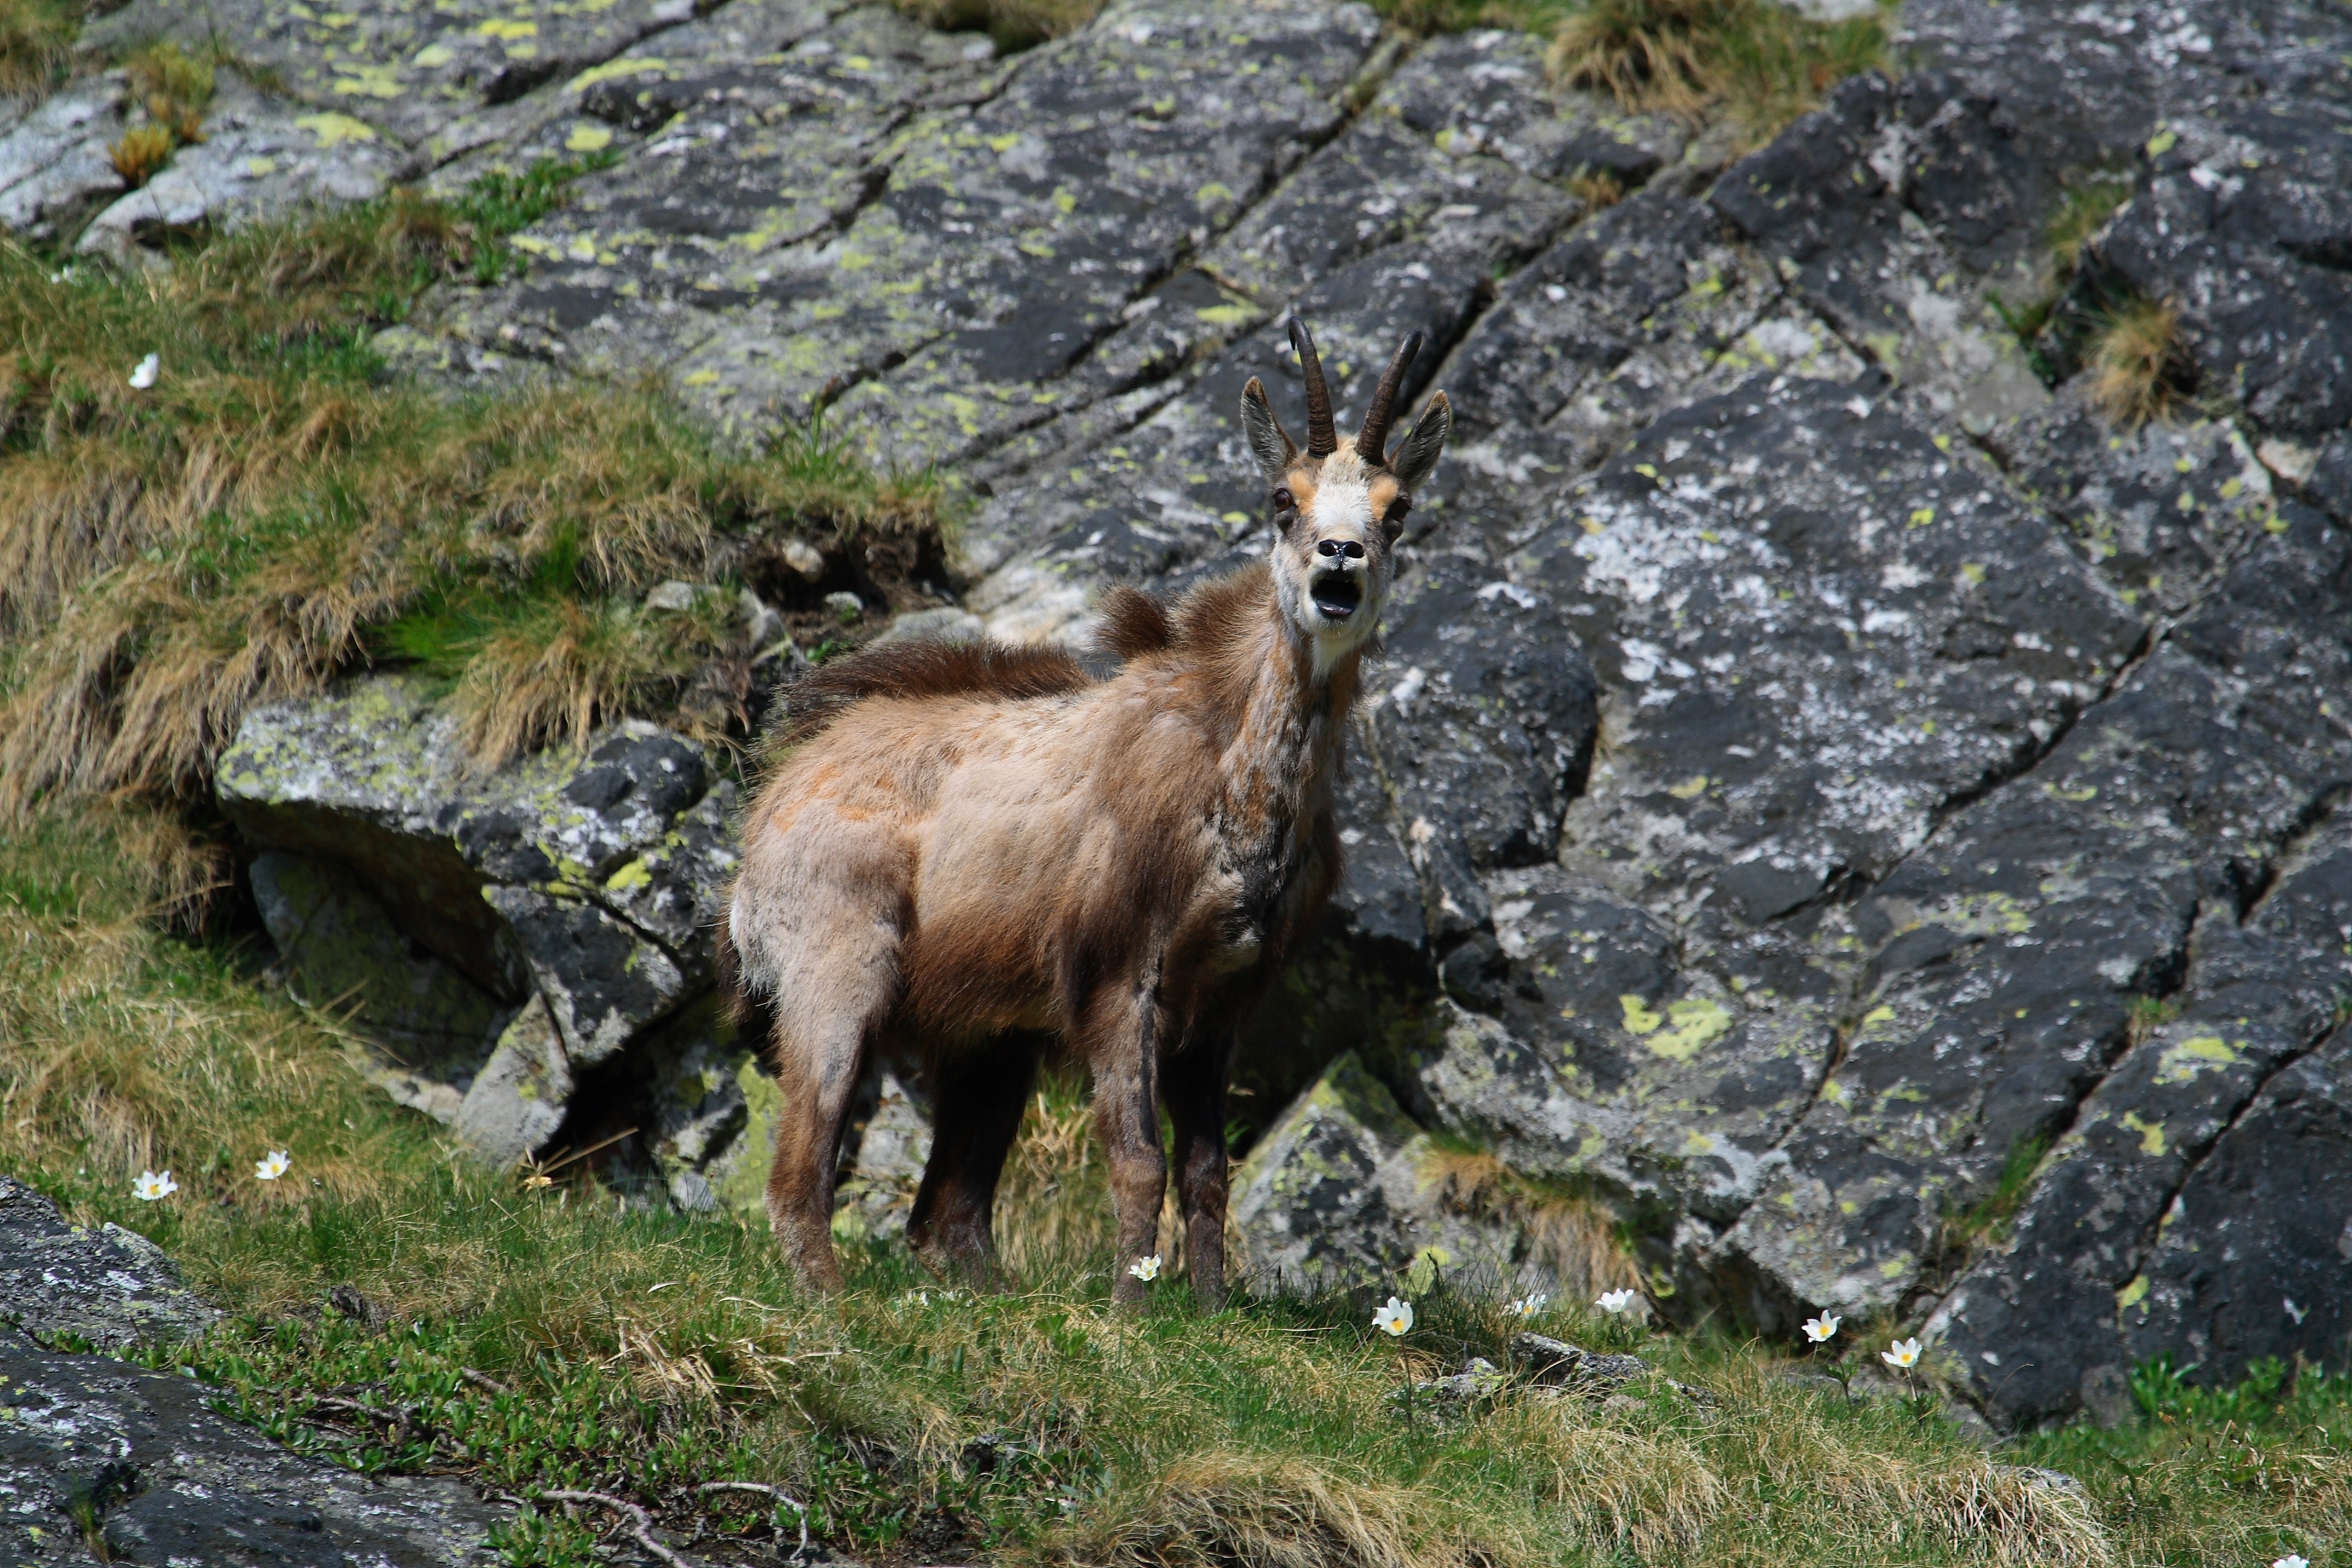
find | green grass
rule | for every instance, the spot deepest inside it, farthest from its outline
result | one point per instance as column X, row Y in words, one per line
column 536, row 1338
column 275, row 511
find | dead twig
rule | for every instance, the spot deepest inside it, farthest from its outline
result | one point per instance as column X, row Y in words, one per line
column 641, row 1524
column 783, row 1499
column 483, row 1380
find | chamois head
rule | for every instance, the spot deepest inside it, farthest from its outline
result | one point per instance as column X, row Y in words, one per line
column 1339, row 505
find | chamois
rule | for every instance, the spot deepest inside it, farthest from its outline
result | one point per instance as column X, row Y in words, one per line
column 971, row 855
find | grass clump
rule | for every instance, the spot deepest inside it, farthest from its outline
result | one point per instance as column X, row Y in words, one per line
column 36, row 43
column 2138, row 366
column 2084, row 209
column 1755, row 60
column 175, row 87
column 141, row 153
column 274, row 510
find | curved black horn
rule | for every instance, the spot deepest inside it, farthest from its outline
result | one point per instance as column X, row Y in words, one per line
column 1372, row 441
column 1322, row 440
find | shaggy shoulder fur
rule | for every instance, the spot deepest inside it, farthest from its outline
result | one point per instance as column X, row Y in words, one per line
column 924, row 669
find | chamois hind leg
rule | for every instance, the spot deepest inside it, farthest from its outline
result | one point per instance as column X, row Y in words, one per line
column 1120, row 1037
column 1194, row 1088
column 979, row 1096
column 830, row 1014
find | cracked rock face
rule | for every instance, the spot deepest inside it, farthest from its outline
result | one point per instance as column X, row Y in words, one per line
column 1830, row 796
column 101, row 1459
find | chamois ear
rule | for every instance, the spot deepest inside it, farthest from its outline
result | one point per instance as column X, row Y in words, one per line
column 1417, row 458
column 1270, row 445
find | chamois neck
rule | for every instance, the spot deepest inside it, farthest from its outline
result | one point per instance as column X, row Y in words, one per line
column 1284, row 749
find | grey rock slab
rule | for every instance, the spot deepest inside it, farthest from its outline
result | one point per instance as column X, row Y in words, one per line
column 1483, row 724
column 738, row 137
column 1804, row 663
column 1826, row 202
column 2255, row 1261
column 54, row 171
column 2163, row 509
column 1086, row 180
column 1179, row 489
column 1488, row 92
column 262, row 159
column 407, row 67
column 100, row 1459
column 712, row 65
column 2070, row 1290
column 111, row 1287
column 374, row 776
column 1601, row 1056
column 2004, row 958
column 1556, row 1362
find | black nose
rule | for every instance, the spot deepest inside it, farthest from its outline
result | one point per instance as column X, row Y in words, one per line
column 1334, row 547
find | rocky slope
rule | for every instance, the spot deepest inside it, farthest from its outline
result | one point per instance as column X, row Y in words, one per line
column 1819, row 763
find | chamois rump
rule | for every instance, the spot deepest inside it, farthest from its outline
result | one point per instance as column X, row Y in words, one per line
column 973, row 856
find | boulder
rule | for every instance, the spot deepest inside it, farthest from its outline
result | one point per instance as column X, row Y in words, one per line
column 503, row 940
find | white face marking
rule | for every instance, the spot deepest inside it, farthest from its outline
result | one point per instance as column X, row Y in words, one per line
column 1342, row 507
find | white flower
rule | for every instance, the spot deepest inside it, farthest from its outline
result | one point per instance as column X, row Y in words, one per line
column 270, row 1169
column 2291, row 1561
column 1529, row 1306
column 1396, row 1319
column 144, row 377
column 1903, row 1356
column 1824, row 1327
column 1145, row 1268
column 1613, row 1300
column 151, row 1187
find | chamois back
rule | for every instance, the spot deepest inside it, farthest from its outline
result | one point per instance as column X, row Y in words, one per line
column 921, row 668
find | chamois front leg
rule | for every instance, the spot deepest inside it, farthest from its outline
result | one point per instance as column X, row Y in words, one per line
column 1127, row 1115
column 1195, row 1091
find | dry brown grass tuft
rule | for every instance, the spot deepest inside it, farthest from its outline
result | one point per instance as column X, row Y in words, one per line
column 553, row 673
column 1223, row 1509
column 1571, row 1233
column 1597, row 188
column 271, row 512
column 123, row 1049
column 36, row 43
column 141, row 153
column 1756, row 60
column 2137, row 361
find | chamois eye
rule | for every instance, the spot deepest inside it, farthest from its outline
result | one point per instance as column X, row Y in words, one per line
column 1397, row 508
column 1284, row 501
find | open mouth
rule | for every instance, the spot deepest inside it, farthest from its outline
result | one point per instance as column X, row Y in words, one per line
column 1336, row 595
